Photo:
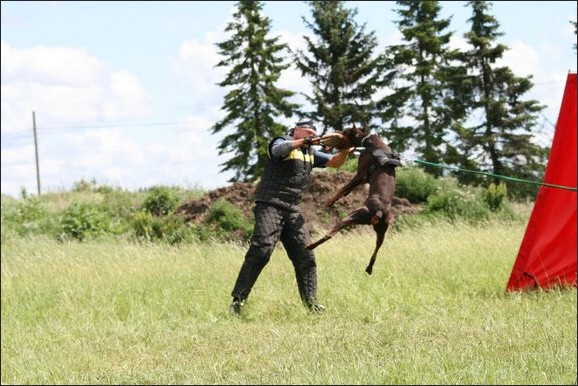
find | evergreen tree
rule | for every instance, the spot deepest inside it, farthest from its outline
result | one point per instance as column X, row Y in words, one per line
column 416, row 112
column 344, row 72
column 254, row 102
column 575, row 31
column 500, row 141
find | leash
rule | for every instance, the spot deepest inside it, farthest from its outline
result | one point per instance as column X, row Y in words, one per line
column 406, row 158
column 573, row 189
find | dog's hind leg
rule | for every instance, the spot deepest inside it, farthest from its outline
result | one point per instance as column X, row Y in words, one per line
column 380, row 229
column 358, row 216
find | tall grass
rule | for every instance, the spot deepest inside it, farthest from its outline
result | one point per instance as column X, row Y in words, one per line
column 435, row 311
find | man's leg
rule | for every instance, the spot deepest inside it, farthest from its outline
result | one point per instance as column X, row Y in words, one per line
column 265, row 236
column 295, row 236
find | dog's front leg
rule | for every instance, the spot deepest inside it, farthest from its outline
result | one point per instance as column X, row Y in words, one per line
column 362, row 173
column 344, row 191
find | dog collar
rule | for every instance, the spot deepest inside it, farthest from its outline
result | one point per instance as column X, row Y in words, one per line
column 364, row 138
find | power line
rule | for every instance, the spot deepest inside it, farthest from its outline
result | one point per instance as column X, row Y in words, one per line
column 22, row 133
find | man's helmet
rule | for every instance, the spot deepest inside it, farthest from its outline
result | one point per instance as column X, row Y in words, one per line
column 308, row 123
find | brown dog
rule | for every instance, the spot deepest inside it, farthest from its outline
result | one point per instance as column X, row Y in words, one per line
column 376, row 166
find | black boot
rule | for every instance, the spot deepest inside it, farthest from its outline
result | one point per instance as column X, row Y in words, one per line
column 307, row 284
column 236, row 306
column 315, row 307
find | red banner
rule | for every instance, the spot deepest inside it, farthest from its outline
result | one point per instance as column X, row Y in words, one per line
column 547, row 255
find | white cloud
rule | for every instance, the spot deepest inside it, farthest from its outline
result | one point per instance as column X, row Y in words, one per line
column 63, row 66
column 196, row 63
column 128, row 97
column 54, row 166
column 18, row 155
column 522, row 58
column 549, row 82
column 291, row 79
column 64, row 86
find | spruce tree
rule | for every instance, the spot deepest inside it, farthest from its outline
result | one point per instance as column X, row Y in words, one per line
column 416, row 114
column 253, row 104
column 575, row 31
column 500, row 139
column 341, row 65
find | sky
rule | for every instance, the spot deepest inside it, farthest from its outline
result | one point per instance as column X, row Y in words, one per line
column 125, row 93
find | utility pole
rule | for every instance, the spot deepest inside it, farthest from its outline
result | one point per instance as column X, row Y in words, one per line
column 36, row 152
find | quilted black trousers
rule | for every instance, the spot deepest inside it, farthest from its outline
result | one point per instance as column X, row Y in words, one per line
column 271, row 225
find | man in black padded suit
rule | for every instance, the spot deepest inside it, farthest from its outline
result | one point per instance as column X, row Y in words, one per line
column 278, row 215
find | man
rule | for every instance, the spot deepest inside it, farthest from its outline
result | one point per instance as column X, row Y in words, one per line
column 278, row 215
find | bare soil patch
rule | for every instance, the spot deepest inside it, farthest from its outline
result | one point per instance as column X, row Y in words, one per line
column 322, row 186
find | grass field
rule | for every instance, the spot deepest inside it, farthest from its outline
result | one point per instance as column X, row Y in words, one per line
column 435, row 311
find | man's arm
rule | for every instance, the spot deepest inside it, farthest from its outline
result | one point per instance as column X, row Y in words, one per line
column 339, row 159
column 282, row 147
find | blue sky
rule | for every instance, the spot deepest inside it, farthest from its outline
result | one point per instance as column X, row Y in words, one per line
column 125, row 92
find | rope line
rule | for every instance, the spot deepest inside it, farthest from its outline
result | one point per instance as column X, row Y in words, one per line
column 497, row 176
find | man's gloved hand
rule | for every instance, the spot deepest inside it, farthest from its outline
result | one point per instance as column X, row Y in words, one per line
column 311, row 140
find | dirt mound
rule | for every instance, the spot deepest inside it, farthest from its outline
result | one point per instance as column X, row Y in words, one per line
column 319, row 218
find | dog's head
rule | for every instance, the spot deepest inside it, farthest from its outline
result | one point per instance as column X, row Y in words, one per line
column 353, row 137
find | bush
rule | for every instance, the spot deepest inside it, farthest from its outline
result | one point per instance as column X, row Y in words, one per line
column 156, row 220
column 227, row 219
column 27, row 216
column 453, row 201
column 495, row 195
column 160, row 200
column 170, row 228
column 350, row 165
column 83, row 220
column 84, row 186
column 414, row 184
column 202, row 232
column 141, row 226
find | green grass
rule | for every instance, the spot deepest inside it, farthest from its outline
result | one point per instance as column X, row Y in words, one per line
column 435, row 311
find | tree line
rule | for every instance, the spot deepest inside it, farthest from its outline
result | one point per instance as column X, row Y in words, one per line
column 448, row 106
